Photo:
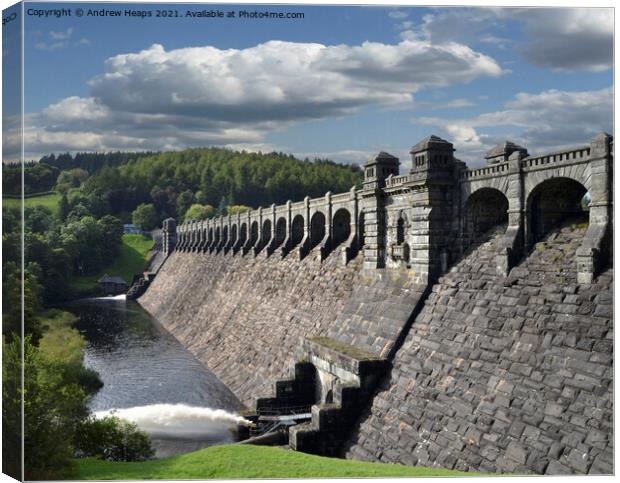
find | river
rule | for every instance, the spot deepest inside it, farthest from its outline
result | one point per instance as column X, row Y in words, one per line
column 152, row 379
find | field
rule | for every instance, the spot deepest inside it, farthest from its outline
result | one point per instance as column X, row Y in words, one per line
column 48, row 200
column 245, row 461
column 131, row 260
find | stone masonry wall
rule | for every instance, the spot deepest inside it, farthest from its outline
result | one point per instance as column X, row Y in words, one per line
column 502, row 375
column 246, row 317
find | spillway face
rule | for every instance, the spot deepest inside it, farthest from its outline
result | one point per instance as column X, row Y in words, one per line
column 502, row 374
column 247, row 317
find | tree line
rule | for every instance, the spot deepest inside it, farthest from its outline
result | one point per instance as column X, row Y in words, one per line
column 41, row 176
column 219, row 181
column 100, row 192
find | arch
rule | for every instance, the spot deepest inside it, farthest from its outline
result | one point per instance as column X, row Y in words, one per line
column 580, row 173
column 203, row 238
column 253, row 233
column 233, row 233
column 553, row 202
column 280, row 232
column 243, row 233
column 266, row 233
column 498, row 183
column 225, row 234
column 297, row 230
column 317, row 229
column 210, row 235
column 341, row 226
column 484, row 209
column 217, row 234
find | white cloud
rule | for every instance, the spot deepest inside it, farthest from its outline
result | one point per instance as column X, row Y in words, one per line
column 279, row 80
column 57, row 40
column 545, row 121
column 61, row 35
column 568, row 39
column 451, row 104
column 51, row 46
column 158, row 99
column 398, row 14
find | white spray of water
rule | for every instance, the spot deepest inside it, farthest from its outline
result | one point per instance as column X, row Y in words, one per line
column 114, row 297
column 178, row 421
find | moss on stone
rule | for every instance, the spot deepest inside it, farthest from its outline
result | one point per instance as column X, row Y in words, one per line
column 346, row 349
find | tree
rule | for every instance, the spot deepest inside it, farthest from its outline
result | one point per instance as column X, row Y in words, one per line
column 184, row 201
column 200, row 212
column 11, row 408
column 78, row 212
column 112, row 230
column 38, row 219
column 52, row 409
column 63, row 208
column 145, row 216
column 83, row 240
column 70, row 179
column 221, row 207
column 113, row 439
column 235, row 209
column 12, row 291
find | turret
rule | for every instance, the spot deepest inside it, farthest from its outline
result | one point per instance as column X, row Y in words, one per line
column 379, row 167
column 169, row 235
column 432, row 153
column 505, row 151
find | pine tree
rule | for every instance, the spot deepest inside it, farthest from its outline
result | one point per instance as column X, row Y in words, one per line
column 221, row 208
column 64, row 207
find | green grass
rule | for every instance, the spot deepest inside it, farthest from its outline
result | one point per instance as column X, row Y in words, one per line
column 48, row 201
column 60, row 342
column 130, row 261
column 245, row 461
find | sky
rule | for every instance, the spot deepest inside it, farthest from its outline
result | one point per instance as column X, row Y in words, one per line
column 342, row 82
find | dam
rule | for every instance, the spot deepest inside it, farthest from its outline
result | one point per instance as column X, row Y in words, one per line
column 448, row 316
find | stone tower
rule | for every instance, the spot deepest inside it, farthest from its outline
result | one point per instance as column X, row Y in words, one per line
column 169, row 235
column 376, row 170
column 434, row 167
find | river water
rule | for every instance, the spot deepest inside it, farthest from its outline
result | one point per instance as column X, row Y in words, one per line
column 152, row 379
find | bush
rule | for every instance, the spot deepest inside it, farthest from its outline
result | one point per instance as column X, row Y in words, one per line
column 112, row 439
column 199, row 212
column 51, row 409
column 88, row 379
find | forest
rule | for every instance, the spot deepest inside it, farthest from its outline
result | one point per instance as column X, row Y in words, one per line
column 96, row 194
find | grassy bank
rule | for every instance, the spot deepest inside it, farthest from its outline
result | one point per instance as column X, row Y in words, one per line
column 245, row 461
column 130, row 261
column 63, row 346
column 49, row 200
column 60, row 342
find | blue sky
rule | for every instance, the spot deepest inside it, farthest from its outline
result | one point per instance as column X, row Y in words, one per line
column 343, row 82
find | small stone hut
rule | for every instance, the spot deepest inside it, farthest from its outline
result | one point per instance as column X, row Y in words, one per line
column 112, row 285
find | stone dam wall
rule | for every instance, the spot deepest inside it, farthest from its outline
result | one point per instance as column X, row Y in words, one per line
column 246, row 318
column 502, row 375
column 444, row 317
column 495, row 374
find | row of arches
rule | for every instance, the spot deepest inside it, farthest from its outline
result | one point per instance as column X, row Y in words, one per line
column 551, row 203
column 253, row 236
